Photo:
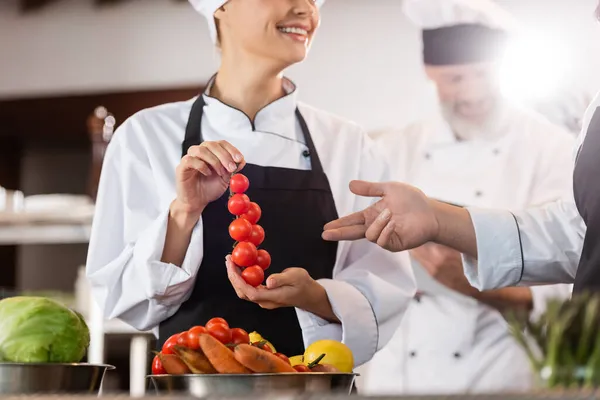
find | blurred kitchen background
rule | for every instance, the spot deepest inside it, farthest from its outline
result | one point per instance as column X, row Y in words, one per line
column 72, row 70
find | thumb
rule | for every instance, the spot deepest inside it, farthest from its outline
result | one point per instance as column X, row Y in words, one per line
column 367, row 189
column 285, row 278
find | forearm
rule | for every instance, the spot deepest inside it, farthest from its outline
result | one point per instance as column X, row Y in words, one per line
column 179, row 233
column 507, row 299
column 456, row 228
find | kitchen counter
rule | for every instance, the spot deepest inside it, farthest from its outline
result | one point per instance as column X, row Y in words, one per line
column 532, row 396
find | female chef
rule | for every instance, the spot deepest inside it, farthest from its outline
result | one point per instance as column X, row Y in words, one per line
column 160, row 235
column 559, row 243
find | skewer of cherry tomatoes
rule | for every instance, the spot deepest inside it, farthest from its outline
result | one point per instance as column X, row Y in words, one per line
column 247, row 233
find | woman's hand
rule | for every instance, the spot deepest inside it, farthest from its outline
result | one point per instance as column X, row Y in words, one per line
column 203, row 174
column 291, row 288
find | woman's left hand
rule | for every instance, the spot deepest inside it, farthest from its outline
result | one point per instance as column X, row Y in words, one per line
column 291, row 288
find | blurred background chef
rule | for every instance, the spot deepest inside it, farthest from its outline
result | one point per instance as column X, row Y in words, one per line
column 479, row 150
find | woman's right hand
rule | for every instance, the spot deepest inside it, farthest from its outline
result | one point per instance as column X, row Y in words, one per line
column 203, row 174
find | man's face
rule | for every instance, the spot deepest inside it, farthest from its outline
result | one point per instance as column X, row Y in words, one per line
column 469, row 93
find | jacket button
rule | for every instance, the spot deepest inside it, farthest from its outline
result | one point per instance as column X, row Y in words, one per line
column 306, row 153
column 496, row 152
column 457, row 355
column 427, row 156
column 478, row 193
column 412, row 354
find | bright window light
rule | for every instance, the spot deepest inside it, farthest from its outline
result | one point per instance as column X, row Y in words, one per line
column 533, row 68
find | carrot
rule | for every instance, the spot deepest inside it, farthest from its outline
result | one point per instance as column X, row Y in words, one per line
column 261, row 361
column 220, row 356
column 195, row 360
column 173, row 364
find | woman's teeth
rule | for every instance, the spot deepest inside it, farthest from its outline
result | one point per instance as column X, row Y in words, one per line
column 298, row 31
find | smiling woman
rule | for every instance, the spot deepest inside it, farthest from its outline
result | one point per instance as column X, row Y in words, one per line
column 160, row 238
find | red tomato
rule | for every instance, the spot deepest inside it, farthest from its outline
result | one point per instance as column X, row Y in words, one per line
column 253, row 276
column 191, row 338
column 263, row 259
column 253, row 214
column 238, row 204
column 239, row 183
column 264, row 346
column 216, row 321
column 157, row 367
column 220, row 332
column 240, row 230
column 239, row 336
column 301, row 368
column 257, row 235
column 168, row 346
column 244, row 254
column 283, row 357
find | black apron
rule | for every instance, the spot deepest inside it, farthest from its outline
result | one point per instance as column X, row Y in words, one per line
column 586, row 185
column 295, row 204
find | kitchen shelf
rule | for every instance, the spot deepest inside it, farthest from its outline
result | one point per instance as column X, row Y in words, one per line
column 24, row 234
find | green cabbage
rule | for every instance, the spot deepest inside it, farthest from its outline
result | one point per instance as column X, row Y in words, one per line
column 40, row 330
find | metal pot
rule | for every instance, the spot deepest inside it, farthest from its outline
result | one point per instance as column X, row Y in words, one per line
column 17, row 378
column 253, row 384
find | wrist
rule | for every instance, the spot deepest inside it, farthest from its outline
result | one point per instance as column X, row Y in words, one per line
column 318, row 302
column 183, row 216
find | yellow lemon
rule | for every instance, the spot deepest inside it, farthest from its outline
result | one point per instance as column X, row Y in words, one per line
column 255, row 337
column 337, row 354
column 297, row 360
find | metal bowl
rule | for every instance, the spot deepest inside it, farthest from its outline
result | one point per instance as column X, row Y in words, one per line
column 17, row 378
column 261, row 384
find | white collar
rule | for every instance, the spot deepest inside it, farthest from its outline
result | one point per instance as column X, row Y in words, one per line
column 276, row 117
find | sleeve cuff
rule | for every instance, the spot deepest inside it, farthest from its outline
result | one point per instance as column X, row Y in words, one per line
column 499, row 249
column 541, row 295
column 358, row 329
column 167, row 282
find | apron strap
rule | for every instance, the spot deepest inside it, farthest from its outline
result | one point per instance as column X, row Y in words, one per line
column 193, row 133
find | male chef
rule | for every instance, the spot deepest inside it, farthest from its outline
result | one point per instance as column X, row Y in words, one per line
column 479, row 150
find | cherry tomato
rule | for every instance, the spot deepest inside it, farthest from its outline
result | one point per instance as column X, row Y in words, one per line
column 191, row 338
column 157, row 367
column 220, row 332
column 263, row 259
column 264, row 346
column 244, row 254
column 253, row 276
column 283, row 357
column 216, row 321
column 239, row 183
column 240, row 230
column 253, row 214
column 168, row 346
column 301, row 368
column 238, row 204
column 257, row 235
column 239, row 336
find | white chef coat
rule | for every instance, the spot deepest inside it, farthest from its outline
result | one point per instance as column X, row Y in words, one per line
column 448, row 342
column 544, row 247
column 370, row 290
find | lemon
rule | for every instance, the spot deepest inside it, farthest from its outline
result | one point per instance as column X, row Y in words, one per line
column 297, row 360
column 337, row 354
column 255, row 337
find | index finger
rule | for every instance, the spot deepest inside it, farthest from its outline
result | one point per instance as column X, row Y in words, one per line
column 357, row 218
column 237, row 156
column 354, row 232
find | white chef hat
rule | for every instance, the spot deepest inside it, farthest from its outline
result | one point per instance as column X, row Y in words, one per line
column 208, row 8
column 460, row 31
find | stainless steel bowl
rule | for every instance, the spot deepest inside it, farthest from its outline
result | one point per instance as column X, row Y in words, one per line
column 18, row 378
column 261, row 384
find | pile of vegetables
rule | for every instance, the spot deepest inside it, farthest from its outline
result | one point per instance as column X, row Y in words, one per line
column 41, row 330
column 247, row 233
column 218, row 349
column 563, row 346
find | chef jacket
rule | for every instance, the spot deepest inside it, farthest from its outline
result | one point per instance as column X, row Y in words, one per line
column 543, row 246
column 448, row 342
column 370, row 289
